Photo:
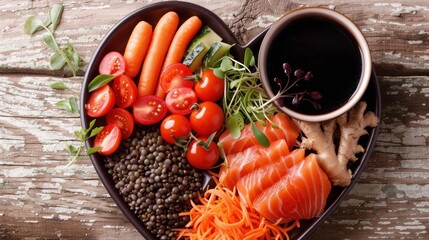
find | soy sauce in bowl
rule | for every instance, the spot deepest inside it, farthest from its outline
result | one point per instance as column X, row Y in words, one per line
column 327, row 44
column 319, row 46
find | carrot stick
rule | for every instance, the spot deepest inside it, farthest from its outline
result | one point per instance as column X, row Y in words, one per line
column 161, row 38
column 181, row 40
column 136, row 48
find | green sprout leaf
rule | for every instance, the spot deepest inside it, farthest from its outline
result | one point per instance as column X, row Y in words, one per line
column 249, row 59
column 59, row 86
column 73, row 105
column 92, row 150
column 64, row 105
column 95, row 131
column 57, row 62
column 260, row 136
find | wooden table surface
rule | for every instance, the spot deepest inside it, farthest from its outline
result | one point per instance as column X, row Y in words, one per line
column 41, row 198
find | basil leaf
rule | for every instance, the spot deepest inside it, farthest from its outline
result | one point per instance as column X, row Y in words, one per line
column 260, row 136
column 32, row 25
column 64, row 105
column 55, row 14
column 59, row 86
column 73, row 105
column 92, row 150
column 95, row 131
column 99, row 81
column 57, row 61
column 49, row 40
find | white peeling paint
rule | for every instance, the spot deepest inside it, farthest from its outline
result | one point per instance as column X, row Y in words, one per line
column 113, row 227
column 51, row 216
column 93, row 183
column 72, row 210
column 64, row 217
column 415, row 42
column 31, row 221
column 377, row 21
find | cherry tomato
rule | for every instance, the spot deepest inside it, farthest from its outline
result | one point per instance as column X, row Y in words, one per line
column 180, row 100
column 100, row 102
column 207, row 118
column 202, row 158
column 123, row 119
column 210, row 87
column 112, row 64
column 149, row 109
column 175, row 126
column 108, row 139
column 173, row 77
column 125, row 91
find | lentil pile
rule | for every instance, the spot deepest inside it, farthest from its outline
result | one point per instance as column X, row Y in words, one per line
column 155, row 180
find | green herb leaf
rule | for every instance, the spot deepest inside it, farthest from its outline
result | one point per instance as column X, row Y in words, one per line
column 79, row 135
column 64, row 105
column 71, row 149
column 249, row 59
column 235, row 123
column 73, row 105
column 226, row 64
column 95, row 131
column 59, row 86
column 50, row 41
column 92, row 150
column 91, row 124
column 57, row 61
column 260, row 136
column 219, row 73
column 100, row 81
column 32, row 25
column 55, row 14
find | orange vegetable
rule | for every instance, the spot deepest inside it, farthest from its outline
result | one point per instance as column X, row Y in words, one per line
column 136, row 48
column 223, row 215
column 181, row 40
column 161, row 38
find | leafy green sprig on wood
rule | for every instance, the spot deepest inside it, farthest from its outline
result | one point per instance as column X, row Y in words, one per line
column 63, row 55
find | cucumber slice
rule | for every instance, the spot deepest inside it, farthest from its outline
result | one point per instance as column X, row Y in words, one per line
column 194, row 59
column 206, row 35
column 216, row 51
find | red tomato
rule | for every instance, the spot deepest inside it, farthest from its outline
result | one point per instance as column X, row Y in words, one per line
column 207, row 118
column 112, row 64
column 123, row 119
column 100, row 102
column 108, row 139
column 202, row 158
column 149, row 109
column 173, row 77
column 175, row 126
column 210, row 87
column 125, row 91
column 180, row 100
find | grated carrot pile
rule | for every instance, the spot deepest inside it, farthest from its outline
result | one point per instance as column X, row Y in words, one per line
column 223, row 215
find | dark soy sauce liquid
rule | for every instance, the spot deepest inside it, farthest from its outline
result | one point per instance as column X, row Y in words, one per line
column 323, row 47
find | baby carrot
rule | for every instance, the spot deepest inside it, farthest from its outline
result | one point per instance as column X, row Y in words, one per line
column 182, row 38
column 136, row 48
column 161, row 38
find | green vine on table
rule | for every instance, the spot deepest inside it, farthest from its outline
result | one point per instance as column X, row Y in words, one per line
column 62, row 57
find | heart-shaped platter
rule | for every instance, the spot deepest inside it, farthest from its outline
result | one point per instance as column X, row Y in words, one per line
column 116, row 40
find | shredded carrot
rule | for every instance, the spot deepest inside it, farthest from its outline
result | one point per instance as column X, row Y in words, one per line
column 222, row 214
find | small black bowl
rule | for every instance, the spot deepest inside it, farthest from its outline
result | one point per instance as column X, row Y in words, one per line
column 115, row 40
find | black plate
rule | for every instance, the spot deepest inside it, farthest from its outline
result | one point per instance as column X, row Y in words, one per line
column 116, row 40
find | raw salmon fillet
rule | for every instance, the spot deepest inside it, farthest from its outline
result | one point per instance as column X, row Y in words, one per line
column 254, row 183
column 286, row 130
column 252, row 158
column 300, row 194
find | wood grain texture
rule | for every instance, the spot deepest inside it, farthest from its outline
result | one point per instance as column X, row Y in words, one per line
column 40, row 198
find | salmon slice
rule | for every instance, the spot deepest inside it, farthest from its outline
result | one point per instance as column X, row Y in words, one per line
column 300, row 194
column 252, row 158
column 286, row 130
column 254, row 183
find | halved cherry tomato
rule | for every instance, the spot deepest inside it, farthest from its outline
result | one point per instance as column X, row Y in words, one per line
column 200, row 157
column 123, row 119
column 180, row 100
column 125, row 91
column 100, row 102
column 210, row 87
column 207, row 118
column 112, row 64
column 173, row 77
column 108, row 139
column 149, row 109
column 175, row 126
